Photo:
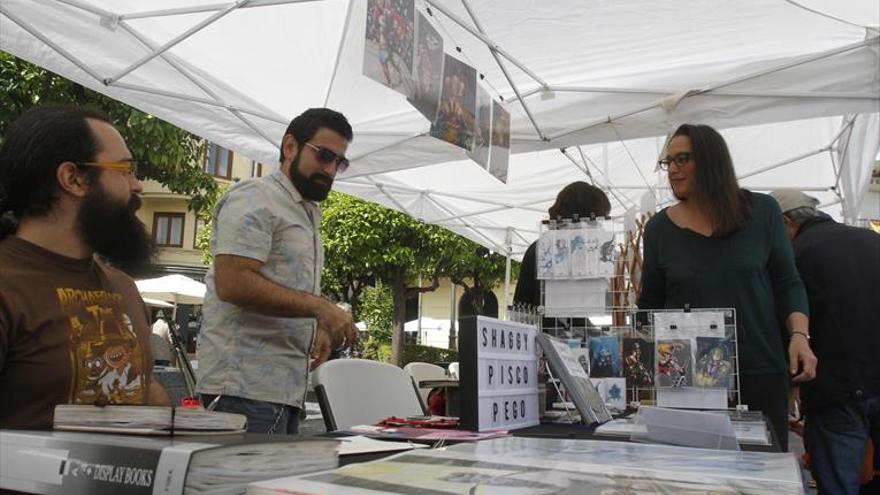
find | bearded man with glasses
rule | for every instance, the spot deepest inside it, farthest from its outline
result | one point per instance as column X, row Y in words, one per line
column 264, row 317
column 73, row 328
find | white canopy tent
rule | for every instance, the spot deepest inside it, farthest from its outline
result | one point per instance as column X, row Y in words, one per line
column 793, row 84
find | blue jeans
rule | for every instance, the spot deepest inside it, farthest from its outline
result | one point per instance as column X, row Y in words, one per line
column 262, row 417
column 835, row 438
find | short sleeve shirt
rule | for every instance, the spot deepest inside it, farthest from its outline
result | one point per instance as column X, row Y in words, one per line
column 246, row 354
column 72, row 331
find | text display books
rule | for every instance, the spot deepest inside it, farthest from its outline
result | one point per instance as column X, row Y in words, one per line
column 526, row 466
column 566, row 367
column 97, row 464
column 151, row 420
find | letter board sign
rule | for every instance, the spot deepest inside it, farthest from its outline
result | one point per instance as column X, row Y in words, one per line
column 498, row 374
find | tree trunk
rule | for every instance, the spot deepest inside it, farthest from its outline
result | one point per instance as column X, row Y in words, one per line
column 398, row 291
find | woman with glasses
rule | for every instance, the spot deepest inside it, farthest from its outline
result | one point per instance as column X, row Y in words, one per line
column 722, row 246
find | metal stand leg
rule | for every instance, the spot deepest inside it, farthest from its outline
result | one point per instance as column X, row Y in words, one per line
column 183, row 363
column 559, row 393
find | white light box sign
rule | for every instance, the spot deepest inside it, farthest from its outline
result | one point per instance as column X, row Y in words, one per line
column 498, row 374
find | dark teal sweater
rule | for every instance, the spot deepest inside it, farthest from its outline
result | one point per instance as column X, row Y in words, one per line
column 752, row 270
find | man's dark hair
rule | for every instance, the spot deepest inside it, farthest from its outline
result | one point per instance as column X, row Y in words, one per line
column 716, row 187
column 581, row 199
column 34, row 146
column 304, row 126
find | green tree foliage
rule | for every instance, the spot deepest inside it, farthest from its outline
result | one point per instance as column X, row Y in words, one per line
column 365, row 243
column 376, row 310
column 166, row 153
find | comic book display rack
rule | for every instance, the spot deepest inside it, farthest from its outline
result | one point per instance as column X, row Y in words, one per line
column 684, row 358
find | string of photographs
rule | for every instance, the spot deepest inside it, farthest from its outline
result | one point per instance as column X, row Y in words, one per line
column 405, row 52
column 575, row 259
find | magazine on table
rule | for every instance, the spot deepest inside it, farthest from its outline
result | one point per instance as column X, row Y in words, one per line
column 146, row 420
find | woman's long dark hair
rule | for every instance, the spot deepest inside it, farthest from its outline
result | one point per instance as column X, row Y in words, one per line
column 716, row 187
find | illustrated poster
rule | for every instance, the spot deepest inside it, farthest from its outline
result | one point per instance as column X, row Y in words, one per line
column 674, row 363
column 605, row 357
column 388, row 47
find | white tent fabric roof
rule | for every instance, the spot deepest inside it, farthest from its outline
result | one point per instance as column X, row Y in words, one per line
column 785, row 79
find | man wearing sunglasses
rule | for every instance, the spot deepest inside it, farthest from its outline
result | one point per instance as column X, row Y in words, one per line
column 72, row 328
column 264, row 317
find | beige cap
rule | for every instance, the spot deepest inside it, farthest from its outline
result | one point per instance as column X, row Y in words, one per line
column 792, row 199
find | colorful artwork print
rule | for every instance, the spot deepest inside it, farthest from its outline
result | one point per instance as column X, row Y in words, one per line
column 429, row 69
column 638, row 362
column 714, row 365
column 500, row 156
column 605, row 357
column 456, row 119
column 674, row 363
column 480, row 153
column 388, row 47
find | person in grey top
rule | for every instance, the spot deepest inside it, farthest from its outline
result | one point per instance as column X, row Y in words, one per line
column 264, row 317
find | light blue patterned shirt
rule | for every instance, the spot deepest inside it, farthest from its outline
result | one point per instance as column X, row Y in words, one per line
column 242, row 353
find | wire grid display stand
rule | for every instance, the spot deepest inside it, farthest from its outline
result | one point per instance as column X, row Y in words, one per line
column 595, row 312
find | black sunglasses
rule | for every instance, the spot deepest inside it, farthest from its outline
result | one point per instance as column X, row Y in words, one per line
column 681, row 159
column 325, row 155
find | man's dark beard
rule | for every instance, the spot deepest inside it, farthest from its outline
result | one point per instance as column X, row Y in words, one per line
column 115, row 233
column 315, row 187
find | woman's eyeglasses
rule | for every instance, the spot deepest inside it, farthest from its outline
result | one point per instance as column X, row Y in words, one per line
column 325, row 155
column 680, row 159
column 128, row 167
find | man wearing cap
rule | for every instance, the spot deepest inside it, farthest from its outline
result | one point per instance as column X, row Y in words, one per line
column 840, row 267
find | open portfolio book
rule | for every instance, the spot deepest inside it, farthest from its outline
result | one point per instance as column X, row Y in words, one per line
column 61, row 462
column 146, row 420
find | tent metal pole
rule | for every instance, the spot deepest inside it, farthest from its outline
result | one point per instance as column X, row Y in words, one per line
column 783, row 163
column 487, row 227
column 800, row 61
column 733, row 93
column 339, row 56
column 169, row 59
column 206, row 8
column 843, row 129
column 439, row 193
column 177, row 39
column 611, row 189
column 586, row 167
column 196, row 99
column 804, row 60
column 92, row 9
column 494, row 51
column 391, row 198
column 635, row 164
column 508, row 253
column 383, row 148
column 485, row 39
column 64, row 53
column 464, row 224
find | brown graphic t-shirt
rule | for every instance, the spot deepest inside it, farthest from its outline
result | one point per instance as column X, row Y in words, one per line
column 71, row 332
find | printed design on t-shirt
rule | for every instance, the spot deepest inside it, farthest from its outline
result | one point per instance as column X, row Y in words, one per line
column 107, row 361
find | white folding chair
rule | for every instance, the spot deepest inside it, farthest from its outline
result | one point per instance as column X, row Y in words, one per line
column 453, row 370
column 358, row 391
column 425, row 371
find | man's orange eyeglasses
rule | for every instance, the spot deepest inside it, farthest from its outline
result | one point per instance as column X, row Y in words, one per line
column 129, row 167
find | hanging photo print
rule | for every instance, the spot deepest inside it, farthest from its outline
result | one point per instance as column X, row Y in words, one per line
column 456, row 121
column 480, row 153
column 638, row 362
column 388, row 47
column 429, row 69
column 714, row 363
column 674, row 363
column 500, row 142
column 605, row 357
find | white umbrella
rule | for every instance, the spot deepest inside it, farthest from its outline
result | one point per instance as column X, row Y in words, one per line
column 157, row 303
column 176, row 289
